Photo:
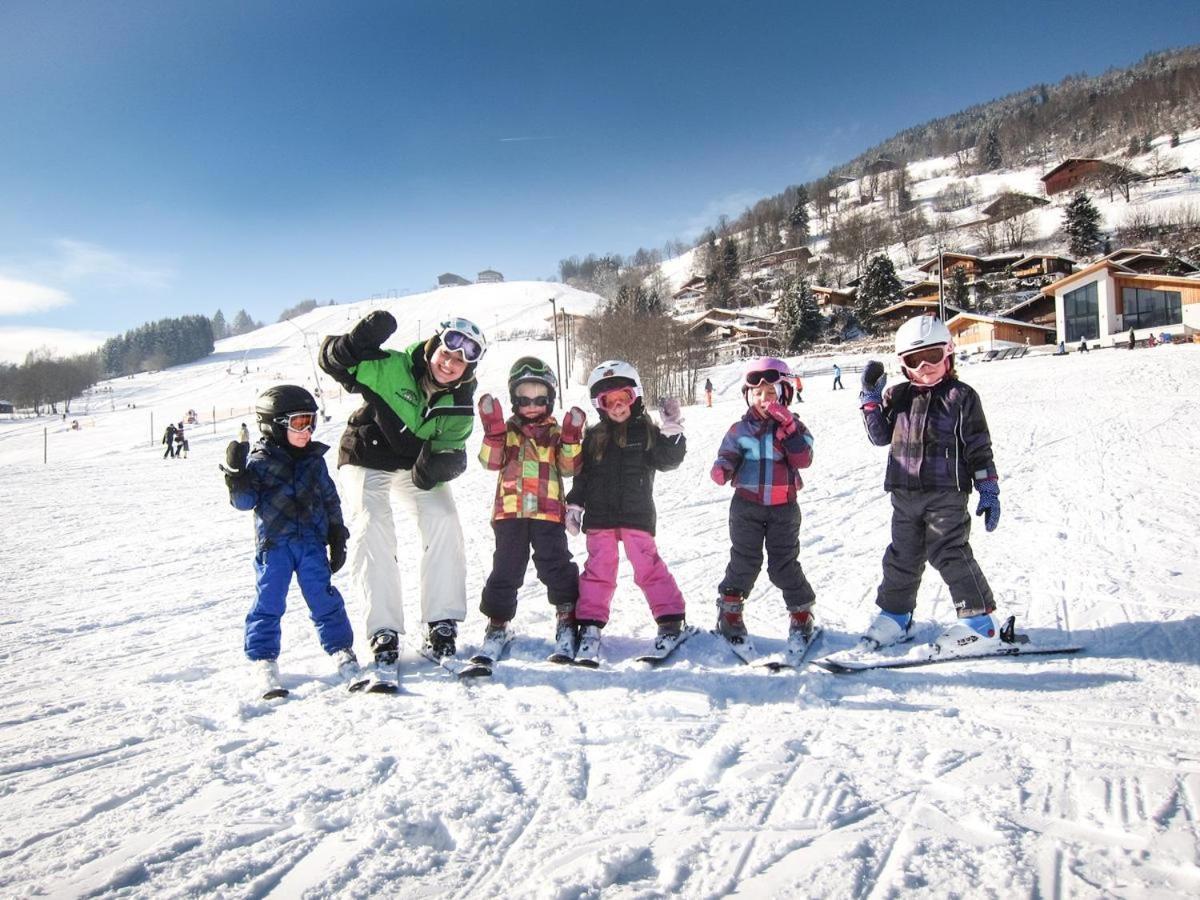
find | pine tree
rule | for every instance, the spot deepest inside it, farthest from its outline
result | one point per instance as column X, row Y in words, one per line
column 1081, row 222
column 957, row 293
column 992, row 157
column 879, row 289
column 812, row 323
column 220, row 328
column 788, row 318
column 242, row 323
column 798, row 219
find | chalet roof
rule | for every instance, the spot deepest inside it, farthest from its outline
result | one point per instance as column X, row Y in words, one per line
column 1032, row 256
column 695, row 283
column 916, row 304
column 1073, row 161
column 1037, row 295
column 964, row 317
column 1083, row 273
column 1143, row 258
column 946, row 254
column 1013, row 199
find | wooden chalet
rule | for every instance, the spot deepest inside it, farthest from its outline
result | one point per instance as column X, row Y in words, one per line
column 691, row 295
column 1036, row 310
column 974, row 266
column 879, row 165
column 1042, row 264
column 789, row 260
column 1011, row 203
column 1101, row 302
column 729, row 334
column 1080, row 171
column 1146, row 261
column 973, row 332
column 921, row 290
column 898, row 313
column 828, row 298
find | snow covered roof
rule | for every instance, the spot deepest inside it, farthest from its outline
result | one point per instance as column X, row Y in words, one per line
column 981, row 317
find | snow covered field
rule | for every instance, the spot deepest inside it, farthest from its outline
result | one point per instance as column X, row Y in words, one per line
column 135, row 762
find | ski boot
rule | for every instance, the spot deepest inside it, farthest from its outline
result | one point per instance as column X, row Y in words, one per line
column 346, row 662
column 267, row 673
column 969, row 636
column 670, row 635
column 495, row 639
column 887, row 629
column 440, row 639
column 801, row 627
column 566, row 634
column 730, row 624
column 383, row 676
column 588, row 654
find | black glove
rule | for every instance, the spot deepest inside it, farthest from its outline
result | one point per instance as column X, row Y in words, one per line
column 873, row 377
column 431, row 469
column 236, row 454
column 338, row 535
column 368, row 334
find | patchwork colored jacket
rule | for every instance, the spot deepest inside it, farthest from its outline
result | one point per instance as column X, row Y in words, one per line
column 398, row 426
column 532, row 460
column 939, row 437
column 765, row 469
column 293, row 497
column 617, row 490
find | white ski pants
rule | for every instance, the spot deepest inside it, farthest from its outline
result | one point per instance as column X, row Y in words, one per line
column 368, row 495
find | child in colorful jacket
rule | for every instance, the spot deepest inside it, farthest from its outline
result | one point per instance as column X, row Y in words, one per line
column 940, row 445
column 296, row 514
column 533, row 455
column 612, row 500
column 761, row 456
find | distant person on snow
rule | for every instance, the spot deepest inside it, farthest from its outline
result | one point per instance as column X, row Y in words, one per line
column 181, row 444
column 708, row 389
column 244, row 434
column 837, row 378
column 168, row 438
column 1132, row 338
column 940, row 444
column 532, row 455
column 404, row 444
column 761, row 456
column 612, row 501
column 297, row 514
column 1083, row 347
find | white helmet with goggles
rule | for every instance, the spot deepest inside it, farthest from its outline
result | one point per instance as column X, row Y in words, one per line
column 464, row 337
column 612, row 374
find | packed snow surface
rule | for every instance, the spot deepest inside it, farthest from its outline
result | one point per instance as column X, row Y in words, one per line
column 136, row 761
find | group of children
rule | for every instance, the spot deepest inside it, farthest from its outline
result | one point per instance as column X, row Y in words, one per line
column 933, row 422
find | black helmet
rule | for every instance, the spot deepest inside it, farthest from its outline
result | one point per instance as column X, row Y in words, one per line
column 531, row 370
column 276, row 403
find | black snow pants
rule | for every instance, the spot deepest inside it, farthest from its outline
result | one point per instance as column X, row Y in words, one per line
column 933, row 526
column 551, row 559
column 753, row 526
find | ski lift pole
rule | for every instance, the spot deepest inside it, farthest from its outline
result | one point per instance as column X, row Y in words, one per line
column 557, row 364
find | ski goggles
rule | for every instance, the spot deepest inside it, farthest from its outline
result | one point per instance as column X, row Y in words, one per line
column 299, row 421
column 463, row 344
column 522, row 402
column 611, row 399
column 529, row 370
column 767, row 376
column 926, row 356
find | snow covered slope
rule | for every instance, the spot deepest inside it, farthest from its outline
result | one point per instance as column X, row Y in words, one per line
column 134, row 760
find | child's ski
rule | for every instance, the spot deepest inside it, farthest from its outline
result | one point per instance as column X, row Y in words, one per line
column 377, row 678
column 495, row 643
column 743, row 649
column 666, row 644
column 794, row 657
column 267, row 671
column 1011, row 644
column 455, row 666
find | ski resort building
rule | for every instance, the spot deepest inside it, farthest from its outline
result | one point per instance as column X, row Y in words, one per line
column 975, row 332
column 1104, row 300
column 489, row 276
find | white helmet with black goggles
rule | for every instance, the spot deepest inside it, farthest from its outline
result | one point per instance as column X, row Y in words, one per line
column 464, row 337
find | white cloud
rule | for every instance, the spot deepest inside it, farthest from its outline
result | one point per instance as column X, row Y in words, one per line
column 24, row 297
column 15, row 343
column 81, row 261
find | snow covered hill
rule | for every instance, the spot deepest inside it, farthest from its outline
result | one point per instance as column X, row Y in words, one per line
column 136, row 763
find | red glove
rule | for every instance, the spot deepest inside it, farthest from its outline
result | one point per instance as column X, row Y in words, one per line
column 782, row 415
column 492, row 416
column 572, row 426
column 720, row 473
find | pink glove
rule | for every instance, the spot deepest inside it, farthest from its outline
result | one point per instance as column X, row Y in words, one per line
column 572, row 426
column 492, row 416
column 573, row 519
column 672, row 419
column 720, row 473
column 782, row 415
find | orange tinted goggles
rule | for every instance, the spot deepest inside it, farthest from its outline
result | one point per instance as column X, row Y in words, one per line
column 622, row 396
column 299, row 421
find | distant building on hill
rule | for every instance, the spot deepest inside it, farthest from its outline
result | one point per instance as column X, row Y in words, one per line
column 1084, row 171
column 489, row 276
column 449, row 279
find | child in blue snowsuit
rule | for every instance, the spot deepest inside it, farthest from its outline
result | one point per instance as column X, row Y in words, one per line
column 297, row 513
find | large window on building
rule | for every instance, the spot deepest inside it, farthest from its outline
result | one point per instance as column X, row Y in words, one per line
column 1081, row 309
column 1150, row 309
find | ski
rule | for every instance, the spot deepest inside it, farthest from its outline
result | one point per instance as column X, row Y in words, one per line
column 272, row 688
column 743, row 649
column 844, row 665
column 565, row 642
column 377, row 678
column 458, row 667
column 666, row 644
column 794, row 657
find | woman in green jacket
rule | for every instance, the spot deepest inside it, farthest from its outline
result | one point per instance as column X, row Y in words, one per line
column 404, row 444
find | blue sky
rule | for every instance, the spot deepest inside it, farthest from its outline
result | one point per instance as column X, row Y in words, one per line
column 166, row 158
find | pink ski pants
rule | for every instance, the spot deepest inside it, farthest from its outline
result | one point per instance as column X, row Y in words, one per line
column 598, row 582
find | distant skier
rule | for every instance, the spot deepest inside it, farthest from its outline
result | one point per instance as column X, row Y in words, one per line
column 181, row 443
column 1132, row 338
column 532, row 455
column 1083, row 347
column 297, row 513
column 168, row 438
column 940, row 444
column 761, row 456
column 612, row 501
column 708, row 389
column 837, row 378
column 404, row 444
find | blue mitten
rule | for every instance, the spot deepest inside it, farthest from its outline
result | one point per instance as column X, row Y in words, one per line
column 989, row 502
column 873, row 380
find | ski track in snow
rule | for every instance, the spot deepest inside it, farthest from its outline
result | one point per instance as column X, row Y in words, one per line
column 136, row 762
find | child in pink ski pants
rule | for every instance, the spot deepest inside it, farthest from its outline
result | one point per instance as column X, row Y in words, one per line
column 598, row 582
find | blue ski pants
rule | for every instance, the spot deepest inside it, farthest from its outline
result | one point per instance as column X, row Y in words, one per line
column 273, row 569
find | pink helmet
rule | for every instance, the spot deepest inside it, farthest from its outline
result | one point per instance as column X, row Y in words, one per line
column 772, row 371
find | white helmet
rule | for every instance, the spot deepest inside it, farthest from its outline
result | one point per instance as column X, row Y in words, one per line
column 451, row 333
column 922, row 331
column 610, row 374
